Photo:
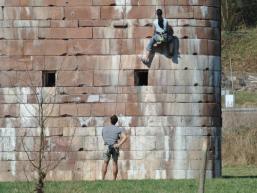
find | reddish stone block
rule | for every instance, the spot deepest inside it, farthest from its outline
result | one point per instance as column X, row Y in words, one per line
column 18, row 33
column 82, row 12
column 97, row 109
column 17, row 13
column 152, row 2
column 78, row 3
column 15, row 63
column 48, row 13
column 132, row 109
column 9, row 110
column 11, row 47
column 8, row 78
column 122, row 46
column 120, row 109
column 38, row 62
column 189, row 2
column 95, row 46
column 84, row 109
column 204, row 12
column 134, row 62
column 109, row 109
column 161, row 77
column 74, row 78
column 193, row 46
column 94, row 23
column 85, row 78
column 60, row 63
column 65, row 33
column 98, row 62
column 126, row 77
column 64, row 23
column 68, row 110
column 107, row 32
column 47, row 3
column 137, row 12
column 179, row 12
column 141, row 32
column 112, row 12
column 45, row 47
column 108, row 2
column 29, row 78
column 31, row 23
column 106, row 77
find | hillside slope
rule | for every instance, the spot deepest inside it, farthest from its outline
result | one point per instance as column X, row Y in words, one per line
column 241, row 47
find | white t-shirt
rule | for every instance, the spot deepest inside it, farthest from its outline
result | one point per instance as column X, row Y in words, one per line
column 158, row 28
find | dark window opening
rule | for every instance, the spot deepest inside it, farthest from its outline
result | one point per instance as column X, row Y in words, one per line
column 48, row 78
column 141, row 77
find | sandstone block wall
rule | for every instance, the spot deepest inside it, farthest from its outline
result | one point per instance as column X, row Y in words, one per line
column 95, row 55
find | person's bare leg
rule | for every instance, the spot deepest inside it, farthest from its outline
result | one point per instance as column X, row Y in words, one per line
column 104, row 169
column 115, row 169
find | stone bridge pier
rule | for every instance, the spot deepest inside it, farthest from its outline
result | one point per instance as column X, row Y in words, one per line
column 81, row 58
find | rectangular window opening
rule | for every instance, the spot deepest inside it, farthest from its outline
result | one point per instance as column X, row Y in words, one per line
column 48, row 78
column 141, row 77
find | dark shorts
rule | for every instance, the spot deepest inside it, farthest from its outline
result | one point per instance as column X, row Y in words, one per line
column 110, row 152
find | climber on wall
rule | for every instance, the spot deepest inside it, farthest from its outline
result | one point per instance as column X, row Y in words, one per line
column 162, row 34
column 113, row 137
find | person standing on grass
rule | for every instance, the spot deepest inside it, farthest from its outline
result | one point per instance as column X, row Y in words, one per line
column 113, row 137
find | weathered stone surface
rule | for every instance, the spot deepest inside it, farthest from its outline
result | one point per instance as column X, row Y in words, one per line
column 45, row 47
column 94, row 47
column 65, row 33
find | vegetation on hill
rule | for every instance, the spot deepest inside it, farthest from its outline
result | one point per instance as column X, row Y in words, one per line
column 241, row 48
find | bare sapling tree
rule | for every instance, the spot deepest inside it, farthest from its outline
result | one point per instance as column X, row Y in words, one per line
column 45, row 104
column 202, row 177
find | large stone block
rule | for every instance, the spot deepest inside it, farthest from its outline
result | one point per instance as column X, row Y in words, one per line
column 122, row 46
column 89, row 12
column 8, row 63
column 137, row 12
column 48, row 13
column 31, row 23
column 45, row 47
column 107, row 32
column 18, row 13
column 99, row 62
column 179, row 12
column 11, row 47
column 65, row 33
column 18, row 33
column 91, row 47
column 60, row 63
column 64, row 23
column 75, row 78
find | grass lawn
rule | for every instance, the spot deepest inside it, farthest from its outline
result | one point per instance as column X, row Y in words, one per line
column 246, row 98
column 236, row 180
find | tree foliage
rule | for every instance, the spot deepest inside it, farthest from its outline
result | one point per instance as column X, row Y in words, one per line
column 235, row 13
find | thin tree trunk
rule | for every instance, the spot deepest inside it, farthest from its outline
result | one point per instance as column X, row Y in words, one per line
column 203, row 169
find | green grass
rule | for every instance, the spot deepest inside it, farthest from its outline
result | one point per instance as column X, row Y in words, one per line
column 246, row 98
column 237, row 180
column 240, row 171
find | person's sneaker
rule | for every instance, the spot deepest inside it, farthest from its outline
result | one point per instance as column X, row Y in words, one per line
column 145, row 61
